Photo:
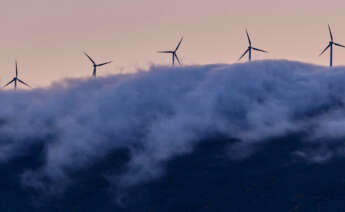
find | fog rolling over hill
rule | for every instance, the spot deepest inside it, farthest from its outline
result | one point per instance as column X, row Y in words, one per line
column 266, row 134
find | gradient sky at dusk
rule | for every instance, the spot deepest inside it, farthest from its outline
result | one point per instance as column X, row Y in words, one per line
column 47, row 37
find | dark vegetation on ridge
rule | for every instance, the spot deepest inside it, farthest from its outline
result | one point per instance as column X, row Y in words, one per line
column 272, row 179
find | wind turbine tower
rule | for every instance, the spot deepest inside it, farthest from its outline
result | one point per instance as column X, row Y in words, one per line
column 95, row 65
column 16, row 79
column 173, row 53
column 250, row 49
column 330, row 47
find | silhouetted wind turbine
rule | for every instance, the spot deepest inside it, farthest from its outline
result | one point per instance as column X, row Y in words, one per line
column 250, row 48
column 330, row 45
column 15, row 79
column 173, row 53
column 95, row 65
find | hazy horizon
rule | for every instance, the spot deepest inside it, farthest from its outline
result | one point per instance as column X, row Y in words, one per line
column 48, row 37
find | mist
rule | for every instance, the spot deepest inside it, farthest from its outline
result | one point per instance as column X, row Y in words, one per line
column 163, row 112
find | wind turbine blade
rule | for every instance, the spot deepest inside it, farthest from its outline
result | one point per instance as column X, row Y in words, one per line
column 337, row 44
column 90, row 58
column 330, row 32
column 178, row 59
column 16, row 69
column 8, row 83
column 24, row 83
column 243, row 54
column 260, row 50
column 324, row 50
column 249, row 41
column 102, row 64
column 166, row 52
column 178, row 45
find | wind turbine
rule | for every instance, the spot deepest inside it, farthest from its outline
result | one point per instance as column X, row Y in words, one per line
column 15, row 79
column 95, row 65
column 173, row 53
column 330, row 45
column 250, row 48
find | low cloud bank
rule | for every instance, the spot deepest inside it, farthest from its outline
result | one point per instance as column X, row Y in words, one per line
column 164, row 112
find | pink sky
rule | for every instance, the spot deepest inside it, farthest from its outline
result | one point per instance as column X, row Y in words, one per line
column 47, row 37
